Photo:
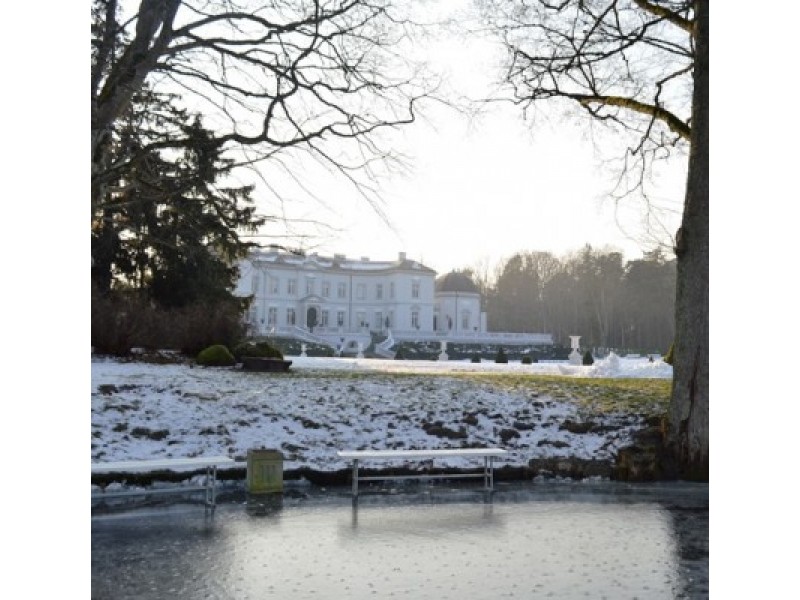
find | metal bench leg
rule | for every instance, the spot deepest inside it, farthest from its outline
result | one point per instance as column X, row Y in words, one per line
column 214, row 487
column 210, row 485
column 355, row 478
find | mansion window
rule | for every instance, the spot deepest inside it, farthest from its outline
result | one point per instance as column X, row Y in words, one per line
column 256, row 281
column 291, row 287
column 326, row 289
column 274, row 285
column 340, row 318
column 341, row 290
column 465, row 320
column 391, row 290
column 415, row 319
column 378, row 321
column 309, row 287
column 361, row 319
column 290, row 316
column 415, row 289
column 361, row 291
column 323, row 320
column 379, row 291
column 272, row 316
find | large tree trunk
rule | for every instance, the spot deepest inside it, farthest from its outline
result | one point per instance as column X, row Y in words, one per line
column 688, row 413
column 124, row 78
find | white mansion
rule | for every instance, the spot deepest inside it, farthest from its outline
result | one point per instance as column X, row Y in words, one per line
column 345, row 303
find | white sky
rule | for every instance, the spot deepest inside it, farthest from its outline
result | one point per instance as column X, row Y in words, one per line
column 479, row 190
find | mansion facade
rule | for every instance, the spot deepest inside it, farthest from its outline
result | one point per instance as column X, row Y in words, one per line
column 348, row 303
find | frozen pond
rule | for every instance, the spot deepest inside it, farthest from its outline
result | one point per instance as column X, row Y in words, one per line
column 530, row 540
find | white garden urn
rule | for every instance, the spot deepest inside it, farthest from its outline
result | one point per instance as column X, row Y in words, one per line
column 443, row 353
column 575, row 355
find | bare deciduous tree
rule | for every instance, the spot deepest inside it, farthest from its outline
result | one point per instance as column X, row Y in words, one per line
column 640, row 67
column 266, row 75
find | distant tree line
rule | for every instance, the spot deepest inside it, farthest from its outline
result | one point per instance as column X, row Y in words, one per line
column 593, row 293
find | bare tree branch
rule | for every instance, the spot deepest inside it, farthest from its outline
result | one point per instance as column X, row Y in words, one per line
column 673, row 122
column 269, row 74
column 673, row 17
column 627, row 63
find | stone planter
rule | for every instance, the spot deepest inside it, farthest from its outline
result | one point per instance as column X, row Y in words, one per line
column 272, row 365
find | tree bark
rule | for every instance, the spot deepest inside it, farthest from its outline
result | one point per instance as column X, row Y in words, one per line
column 153, row 35
column 688, row 414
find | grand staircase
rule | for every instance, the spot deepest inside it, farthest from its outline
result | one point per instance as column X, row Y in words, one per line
column 384, row 348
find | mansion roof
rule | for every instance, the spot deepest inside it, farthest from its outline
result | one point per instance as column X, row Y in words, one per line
column 337, row 263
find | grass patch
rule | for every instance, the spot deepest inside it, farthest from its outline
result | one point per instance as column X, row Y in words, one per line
column 597, row 395
column 592, row 394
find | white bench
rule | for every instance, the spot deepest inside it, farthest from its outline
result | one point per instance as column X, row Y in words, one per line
column 209, row 463
column 487, row 454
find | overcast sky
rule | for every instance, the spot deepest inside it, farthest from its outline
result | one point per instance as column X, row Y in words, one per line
column 477, row 190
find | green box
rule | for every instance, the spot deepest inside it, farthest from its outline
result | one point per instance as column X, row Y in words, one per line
column 264, row 471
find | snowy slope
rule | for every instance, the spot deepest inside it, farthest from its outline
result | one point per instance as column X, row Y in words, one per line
column 142, row 411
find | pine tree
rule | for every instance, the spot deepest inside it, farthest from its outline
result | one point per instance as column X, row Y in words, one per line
column 169, row 228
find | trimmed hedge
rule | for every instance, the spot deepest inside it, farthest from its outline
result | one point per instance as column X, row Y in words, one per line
column 216, row 356
column 257, row 350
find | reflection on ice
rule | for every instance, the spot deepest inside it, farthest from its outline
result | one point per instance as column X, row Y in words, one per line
column 371, row 523
column 560, row 541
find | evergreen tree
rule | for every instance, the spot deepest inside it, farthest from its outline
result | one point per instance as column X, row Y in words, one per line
column 168, row 227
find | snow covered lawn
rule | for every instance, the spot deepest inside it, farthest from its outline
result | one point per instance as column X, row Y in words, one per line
column 144, row 411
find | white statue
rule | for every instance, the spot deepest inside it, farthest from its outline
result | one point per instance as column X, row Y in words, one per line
column 575, row 355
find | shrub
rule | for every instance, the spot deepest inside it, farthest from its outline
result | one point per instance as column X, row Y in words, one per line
column 216, row 356
column 588, row 359
column 670, row 356
column 501, row 356
column 268, row 351
column 476, row 359
column 114, row 323
column 122, row 320
column 399, row 355
column 257, row 349
column 526, row 360
column 201, row 325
